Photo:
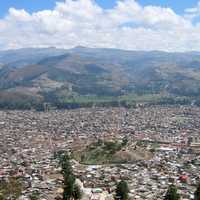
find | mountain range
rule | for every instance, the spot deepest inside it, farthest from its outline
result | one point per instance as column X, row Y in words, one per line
column 41, row 74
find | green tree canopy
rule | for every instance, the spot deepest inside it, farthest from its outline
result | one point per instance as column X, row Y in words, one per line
column 71, row 190
column 77, row 194
column 34, row 196
column 1, row 196
column 172, row 193
column 122, row 191
column 197, row 193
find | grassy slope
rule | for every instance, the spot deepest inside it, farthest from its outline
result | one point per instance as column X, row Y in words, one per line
column 109, row 153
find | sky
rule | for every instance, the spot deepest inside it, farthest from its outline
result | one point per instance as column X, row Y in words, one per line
column 167, row 25
column 36, row 5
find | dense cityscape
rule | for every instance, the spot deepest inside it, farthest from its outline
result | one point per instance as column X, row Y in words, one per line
column 157, row 146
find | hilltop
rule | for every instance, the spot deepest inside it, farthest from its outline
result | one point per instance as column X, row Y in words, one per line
column 109, row 152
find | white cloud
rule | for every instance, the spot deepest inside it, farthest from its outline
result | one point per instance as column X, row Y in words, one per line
column 82, row 22
column 192, row 13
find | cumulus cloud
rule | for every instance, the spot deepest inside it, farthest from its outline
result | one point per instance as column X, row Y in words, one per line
column 128, row 25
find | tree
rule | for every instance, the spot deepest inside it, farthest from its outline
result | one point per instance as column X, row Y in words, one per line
column 172, row 193
column 68, row 187
column 124, row 141
column 77, row 194
column 1, row 197
column 65, row 165
column 71, row 190
column 34, row 196
column 197, row 193
column 122, row 191
column 68, row 176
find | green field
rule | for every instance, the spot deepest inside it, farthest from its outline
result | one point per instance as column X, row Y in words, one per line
column 125, row 100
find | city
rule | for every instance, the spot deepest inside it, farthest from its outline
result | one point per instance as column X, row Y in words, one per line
column 162, row 148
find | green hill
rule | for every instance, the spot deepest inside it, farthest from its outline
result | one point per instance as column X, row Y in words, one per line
column 109, row 152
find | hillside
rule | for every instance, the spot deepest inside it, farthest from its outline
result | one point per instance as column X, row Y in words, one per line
column 66, row 76
column 109, row 152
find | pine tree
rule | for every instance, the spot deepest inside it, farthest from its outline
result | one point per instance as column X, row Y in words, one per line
column 65, row 165
column 172, row 193
column 197, row 193
column 71, row 190
column 122, row 191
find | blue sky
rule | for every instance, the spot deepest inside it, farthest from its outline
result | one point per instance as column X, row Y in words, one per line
column 178, row 5
column 35, row 5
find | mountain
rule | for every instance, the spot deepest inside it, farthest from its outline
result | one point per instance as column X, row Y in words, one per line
column 49, row 73
column 23, row 57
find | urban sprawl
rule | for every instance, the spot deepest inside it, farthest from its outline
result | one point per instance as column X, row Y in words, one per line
column 162, row 148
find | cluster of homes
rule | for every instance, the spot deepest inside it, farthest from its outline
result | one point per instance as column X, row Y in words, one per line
column 29, row 140
column 146, row 179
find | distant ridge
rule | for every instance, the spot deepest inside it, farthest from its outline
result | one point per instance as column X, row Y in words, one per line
column 98, row 72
